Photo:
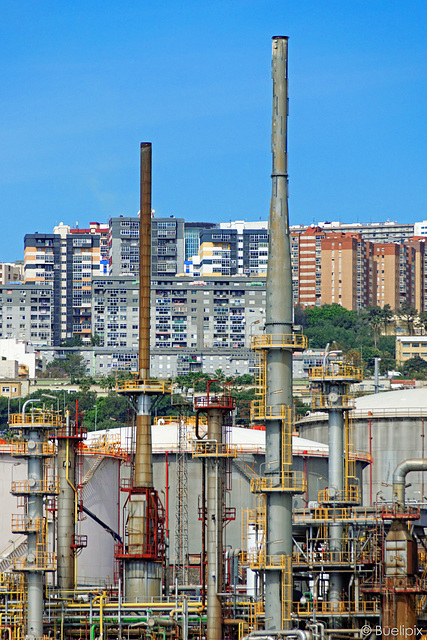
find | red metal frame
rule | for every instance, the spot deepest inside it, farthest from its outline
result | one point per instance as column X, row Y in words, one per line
column 153, row 547
column 73, row 432
column 78, row 541
column 224, row 401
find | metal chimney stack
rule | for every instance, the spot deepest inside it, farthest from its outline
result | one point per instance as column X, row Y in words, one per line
column 143, row 456
column 278, row 592
column 142, row 553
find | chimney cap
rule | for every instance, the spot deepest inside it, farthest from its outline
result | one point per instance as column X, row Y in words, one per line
column 280, row 38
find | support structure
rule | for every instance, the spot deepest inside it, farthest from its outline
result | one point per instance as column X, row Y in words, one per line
column 181, row 505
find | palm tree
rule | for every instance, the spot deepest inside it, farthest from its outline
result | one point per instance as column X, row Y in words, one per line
column 376, row 320
column 387, row 315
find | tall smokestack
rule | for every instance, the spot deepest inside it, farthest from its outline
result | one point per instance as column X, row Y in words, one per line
column 143, row 554
column 145, row 261
column 143, row 476
column 278, row 333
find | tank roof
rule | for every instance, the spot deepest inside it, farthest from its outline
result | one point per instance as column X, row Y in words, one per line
column 165, row 438
column 402, row 399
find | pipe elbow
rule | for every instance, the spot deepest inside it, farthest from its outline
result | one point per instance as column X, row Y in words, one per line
column 404, row 467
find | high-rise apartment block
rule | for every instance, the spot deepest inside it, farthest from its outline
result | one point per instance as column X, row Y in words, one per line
column 306, row 256
column 67, row 260
column 347, row 267
column 167, row 246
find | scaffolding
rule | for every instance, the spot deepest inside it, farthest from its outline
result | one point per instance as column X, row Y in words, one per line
column 181, row 507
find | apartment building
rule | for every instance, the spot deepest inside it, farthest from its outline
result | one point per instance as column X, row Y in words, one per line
column 115, row 311
column 67, row 261
column 42, row 265
column 347, row 269
column 408, row 347
column 204, row 313
column 26, row 312
column 192, row 231
column 197, row 324
column 233, row 248
column 102, row 231
column 418, row 267
column 218, row 252
column 167, row 246
column 379, row 232
column 387, row 274
column 123, row 246
column 198, row 313
column 306, row 260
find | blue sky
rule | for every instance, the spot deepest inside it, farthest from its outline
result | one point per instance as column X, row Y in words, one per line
column 83, row 83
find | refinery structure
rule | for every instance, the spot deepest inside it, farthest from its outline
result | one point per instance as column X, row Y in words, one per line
column 191, row 527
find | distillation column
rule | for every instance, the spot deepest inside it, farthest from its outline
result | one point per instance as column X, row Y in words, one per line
column 68, row 542
column 334, row 378
column 40, row 483
column 336, row 486
column 214, row 525
column 215, row 452
column 35, row 513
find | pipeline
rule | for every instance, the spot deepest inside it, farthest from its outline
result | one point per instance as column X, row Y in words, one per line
column 399, row 476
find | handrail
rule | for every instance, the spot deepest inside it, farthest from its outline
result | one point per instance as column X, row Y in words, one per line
column 337, row 608
column 39, row 417
column 147, row 386
column 336, row 370
column 279, row 340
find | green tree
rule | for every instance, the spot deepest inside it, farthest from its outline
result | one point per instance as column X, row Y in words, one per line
column 334, row 324
column 73, row 364
column 415, row 367
column 107, row 382
column 85, row 384
column 408, row 314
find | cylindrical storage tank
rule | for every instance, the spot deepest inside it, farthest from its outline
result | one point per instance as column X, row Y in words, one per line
column 390, row 427
column 100, row 478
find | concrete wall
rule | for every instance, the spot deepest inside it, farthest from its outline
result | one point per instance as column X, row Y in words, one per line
column 9, row 369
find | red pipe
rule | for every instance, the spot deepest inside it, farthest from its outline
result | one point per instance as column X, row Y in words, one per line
column 167, row 495
column 370, row 463
column 306, row 482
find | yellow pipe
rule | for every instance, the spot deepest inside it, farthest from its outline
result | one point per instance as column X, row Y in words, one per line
column 101, row 613
column 199, row 609
column 75, row 502
column 131, row 605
